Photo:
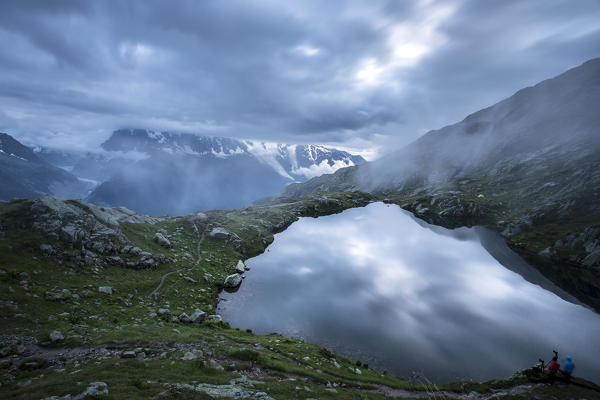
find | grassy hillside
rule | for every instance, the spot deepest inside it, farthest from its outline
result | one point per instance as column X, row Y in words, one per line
column 62, row 329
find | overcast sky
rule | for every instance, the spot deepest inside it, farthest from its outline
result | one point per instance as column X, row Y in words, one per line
column 363, row 75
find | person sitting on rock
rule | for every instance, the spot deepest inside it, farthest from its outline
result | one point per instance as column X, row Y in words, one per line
column 568, row 368
column 553, row 368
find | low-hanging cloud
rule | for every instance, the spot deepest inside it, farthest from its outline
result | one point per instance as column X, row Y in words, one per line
column 362, row 74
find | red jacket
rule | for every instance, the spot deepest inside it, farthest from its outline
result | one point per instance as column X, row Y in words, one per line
column 553, row 367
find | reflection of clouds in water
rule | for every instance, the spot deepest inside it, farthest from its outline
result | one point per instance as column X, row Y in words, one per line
column 372, row 281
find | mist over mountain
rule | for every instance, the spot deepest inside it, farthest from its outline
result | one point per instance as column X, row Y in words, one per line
column 539, row 130
column 25, row 175
column 178, row 173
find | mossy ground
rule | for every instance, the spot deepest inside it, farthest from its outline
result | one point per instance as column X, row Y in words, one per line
column 288, row 368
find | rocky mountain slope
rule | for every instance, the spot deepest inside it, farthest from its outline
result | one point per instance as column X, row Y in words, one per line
column 107, row 303
column 24, row 175
column 528, row 166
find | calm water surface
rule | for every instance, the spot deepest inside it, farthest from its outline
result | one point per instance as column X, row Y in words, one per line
column 378, row 285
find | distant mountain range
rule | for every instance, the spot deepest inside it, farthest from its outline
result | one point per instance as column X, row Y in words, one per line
column 176, row 173
column 25, row 175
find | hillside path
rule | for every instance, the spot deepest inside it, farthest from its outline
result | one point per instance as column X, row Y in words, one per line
column 154, row 293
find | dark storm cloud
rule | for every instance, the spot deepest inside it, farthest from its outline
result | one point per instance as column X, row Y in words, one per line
column 364, row 74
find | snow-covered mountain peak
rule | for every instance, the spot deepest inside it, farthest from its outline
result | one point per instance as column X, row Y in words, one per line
column 292, row 161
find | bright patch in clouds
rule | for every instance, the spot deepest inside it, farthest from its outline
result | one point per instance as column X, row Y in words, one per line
column 306, row 50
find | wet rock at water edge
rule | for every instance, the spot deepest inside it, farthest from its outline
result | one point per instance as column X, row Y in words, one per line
column 240, row 268
column 233, row 281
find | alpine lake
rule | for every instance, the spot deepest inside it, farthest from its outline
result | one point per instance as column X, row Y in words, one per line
column 378, row 285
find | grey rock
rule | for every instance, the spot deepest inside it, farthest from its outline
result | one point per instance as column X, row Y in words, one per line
column 72, row 233
column 198, row 316
column 547, row 252
column 198, row 217
column 592, row 259
column 189, row 356
column 161, row 240
column 215, row 317
column 220, row 233
column 114, row 260
column 240, row 268
column 105, row 289
column 164, row 311
column 183, row 317
column 94, row 389
column 232, row 281
column 56, row 336
column 214, row 364
column 47, row 249
column 128, row 354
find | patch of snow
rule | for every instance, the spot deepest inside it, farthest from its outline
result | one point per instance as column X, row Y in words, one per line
column 219, row 154
column 267, row 153
column 158, row 136
column 14, row 155
column 322, row 168
column 92, row 181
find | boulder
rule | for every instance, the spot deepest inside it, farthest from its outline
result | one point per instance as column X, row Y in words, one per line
column 547, row 252
column 189, row 356
column 240, row 268
column 128, row 354
column 105, row 289
column 198, row 217
column 164, row 311
column 220, row 233
column 183, row 317
column 198, row 316
column 47, row 249
column 161, row 240
column 93, row 390
column 215, row 317
column 233, row 281
column 592, row 259
column 56, row 336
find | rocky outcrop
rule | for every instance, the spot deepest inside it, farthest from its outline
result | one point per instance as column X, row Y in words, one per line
column 220, row 233
column 161, row 240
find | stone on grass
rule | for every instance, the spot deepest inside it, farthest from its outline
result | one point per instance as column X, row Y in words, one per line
column 56, row 336
column 161, row 240
column 220, row 233
column 198, row 316
column 128, row 354
column 183, row 317
column 189, row 356
column 105, row 289
column 94, row 389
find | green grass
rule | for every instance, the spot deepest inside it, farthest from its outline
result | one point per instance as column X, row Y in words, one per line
column 124, row 317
